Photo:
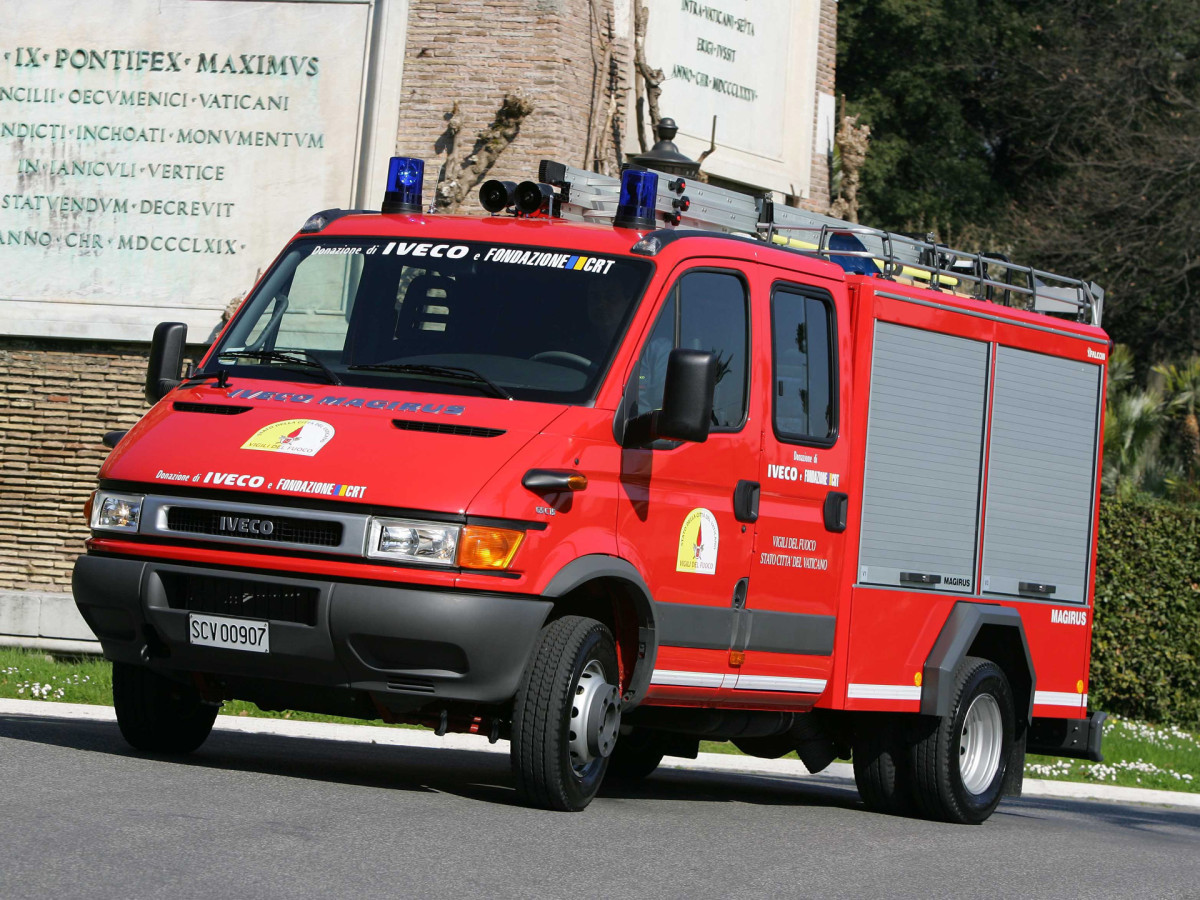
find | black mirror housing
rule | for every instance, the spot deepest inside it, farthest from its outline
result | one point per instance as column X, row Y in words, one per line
column 687, row 405
column 166, row 360
column 686, row 413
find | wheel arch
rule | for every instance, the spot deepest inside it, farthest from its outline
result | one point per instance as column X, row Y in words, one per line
column 984, row 630
column 611, row 589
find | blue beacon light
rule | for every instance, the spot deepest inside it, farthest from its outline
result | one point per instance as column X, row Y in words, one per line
column 639, row 198
column 404, row 181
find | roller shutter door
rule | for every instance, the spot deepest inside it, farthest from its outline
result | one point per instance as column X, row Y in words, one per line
column 925, row 427
column 1041, row 476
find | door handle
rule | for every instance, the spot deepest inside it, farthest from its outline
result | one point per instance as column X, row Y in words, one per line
column 745, row 501
column 1034, row 587
column 836, row 505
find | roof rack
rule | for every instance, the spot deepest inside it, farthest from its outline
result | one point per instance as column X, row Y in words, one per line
column 589, row 197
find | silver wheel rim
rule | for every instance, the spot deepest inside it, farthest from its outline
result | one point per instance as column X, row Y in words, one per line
column 980, row 743
column 595, row 717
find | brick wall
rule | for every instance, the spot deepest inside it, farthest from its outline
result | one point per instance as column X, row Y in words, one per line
column 476, row 51
column 818, row 198
column 57, row 399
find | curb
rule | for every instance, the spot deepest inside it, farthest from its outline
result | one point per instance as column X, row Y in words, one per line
column 841, row 774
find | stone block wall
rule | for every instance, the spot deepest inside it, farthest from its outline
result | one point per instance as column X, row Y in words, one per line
column 818, row 198
column 473, row 52
column 57, row 399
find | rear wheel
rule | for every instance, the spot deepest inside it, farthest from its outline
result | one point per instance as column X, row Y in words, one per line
column 881, row 768
column 159, row 715
column 960, row 761
column 566, row 715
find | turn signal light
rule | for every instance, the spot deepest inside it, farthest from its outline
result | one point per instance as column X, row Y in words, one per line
column 553, row 481
column 87, row 506
column 488, row 548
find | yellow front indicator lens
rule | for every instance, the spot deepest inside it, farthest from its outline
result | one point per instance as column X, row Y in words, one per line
column 488, row 548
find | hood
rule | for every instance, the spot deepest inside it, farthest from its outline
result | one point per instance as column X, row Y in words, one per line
column 403, row 449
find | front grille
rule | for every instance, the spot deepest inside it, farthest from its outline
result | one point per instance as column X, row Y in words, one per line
column 240, row 597
column 447, row 428
column 283, row 529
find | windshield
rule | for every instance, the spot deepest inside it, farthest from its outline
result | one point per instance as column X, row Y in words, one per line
column 458, row 318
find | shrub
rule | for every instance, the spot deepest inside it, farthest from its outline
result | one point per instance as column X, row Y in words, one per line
column 1146, row 630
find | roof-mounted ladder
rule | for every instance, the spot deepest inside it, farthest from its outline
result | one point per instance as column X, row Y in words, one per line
column 682, row 204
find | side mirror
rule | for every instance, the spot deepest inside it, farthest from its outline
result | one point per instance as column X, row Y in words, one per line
column 166, row 360
column 686, row 412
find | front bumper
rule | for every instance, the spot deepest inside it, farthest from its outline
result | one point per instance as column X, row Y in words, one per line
column 407, row 646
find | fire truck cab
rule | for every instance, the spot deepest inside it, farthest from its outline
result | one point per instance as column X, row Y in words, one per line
column 620, row 467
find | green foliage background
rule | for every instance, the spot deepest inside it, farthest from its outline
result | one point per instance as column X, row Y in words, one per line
column 1146, row 631
column 1065, row 133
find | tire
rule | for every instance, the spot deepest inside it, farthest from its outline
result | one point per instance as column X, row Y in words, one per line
column 636, row 756
column 159, row 715
column 960, row 762
column 566, row 715
column 882, row 770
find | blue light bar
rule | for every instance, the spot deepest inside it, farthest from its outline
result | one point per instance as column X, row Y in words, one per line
column 639, row 197
column 404, row 181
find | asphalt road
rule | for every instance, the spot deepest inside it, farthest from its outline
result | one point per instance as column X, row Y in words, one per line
column 81, row 815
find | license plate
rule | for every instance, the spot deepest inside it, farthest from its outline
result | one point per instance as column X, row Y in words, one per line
column 232, row 634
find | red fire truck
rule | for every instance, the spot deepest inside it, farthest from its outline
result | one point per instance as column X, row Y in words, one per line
column 622, row 466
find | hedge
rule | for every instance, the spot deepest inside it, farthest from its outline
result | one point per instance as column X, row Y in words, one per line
column 1146, row 628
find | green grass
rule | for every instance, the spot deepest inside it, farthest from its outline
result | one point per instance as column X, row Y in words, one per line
column 25, row 675
column 28, row 675
column 1136, row 754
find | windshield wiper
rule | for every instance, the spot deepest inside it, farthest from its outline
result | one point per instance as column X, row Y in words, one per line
column 296, row 357
column 458, row 373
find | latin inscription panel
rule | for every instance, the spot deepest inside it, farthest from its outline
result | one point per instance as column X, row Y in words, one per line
column 750, row 63
column 154, row 156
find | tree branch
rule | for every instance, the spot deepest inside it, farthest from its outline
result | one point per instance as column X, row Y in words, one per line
column 460, row 178
column 652, row 79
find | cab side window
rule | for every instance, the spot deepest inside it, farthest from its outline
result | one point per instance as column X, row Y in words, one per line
column 804, row 399
column 705, row 311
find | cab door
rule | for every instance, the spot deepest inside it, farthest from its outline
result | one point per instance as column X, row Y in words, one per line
column 799, row 543
column 676, row 520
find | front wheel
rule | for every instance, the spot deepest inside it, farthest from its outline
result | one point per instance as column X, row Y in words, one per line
column 959, row 761
column 566, row 715
column 158, row 715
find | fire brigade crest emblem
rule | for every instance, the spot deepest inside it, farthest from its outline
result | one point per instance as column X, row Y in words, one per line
column 303, row 437
column 698, row 540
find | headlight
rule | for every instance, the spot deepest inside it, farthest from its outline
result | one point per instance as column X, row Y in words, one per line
column 470, row 546
column 116, row 512
column 406, row 541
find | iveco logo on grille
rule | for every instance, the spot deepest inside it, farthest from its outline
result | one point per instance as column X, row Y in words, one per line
column 243, row 525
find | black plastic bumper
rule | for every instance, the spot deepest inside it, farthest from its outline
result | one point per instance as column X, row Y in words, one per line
column 403, row 642
column 1074, row 738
